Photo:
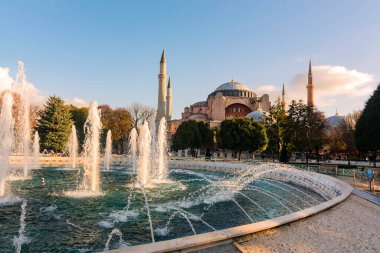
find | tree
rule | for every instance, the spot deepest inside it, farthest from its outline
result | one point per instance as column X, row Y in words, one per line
column 187, row 136
column 140, row 113
column 275, row 125
column 79, row 116
column 305, row 128
column 206, row 135
column 242, row 134
column 120, row 126
column 54, row 125
column 368, row 125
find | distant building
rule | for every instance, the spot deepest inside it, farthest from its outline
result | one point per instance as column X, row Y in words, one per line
column 229, row 100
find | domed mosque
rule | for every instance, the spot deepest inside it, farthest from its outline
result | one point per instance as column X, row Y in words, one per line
column 335, row 120
column 228, row 100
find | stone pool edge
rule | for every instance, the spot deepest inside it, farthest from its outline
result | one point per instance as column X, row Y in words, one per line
column 195, row 241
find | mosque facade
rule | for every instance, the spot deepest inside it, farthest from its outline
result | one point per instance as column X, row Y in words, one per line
column 229, row 100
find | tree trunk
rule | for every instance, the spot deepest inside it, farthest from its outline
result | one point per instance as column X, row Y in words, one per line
column 239, row 154
column 317, row 153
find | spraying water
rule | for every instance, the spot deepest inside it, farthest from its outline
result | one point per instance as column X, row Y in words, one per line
column 153, row 154
column 108, row 151
column 144, row 149
column 21, row 239
column 6, row 139
column 73, row 146
column 25, row 118
column 118, row 233
column 133, row 147
column 36, row 149
column 161, row 151
column 92, row 129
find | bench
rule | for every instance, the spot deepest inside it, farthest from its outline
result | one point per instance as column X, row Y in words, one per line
column 328, row 167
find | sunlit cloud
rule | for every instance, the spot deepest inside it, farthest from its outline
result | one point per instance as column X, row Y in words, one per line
column 36, row 96
column 332, row 83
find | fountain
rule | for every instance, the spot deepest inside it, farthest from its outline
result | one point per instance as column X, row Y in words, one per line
column 133, row 148
column 144, row 157
column 6, row 139
column 161, row 151
column 21, row 239
column 108, row 151
column 91, row 150
column 25, row 118
column 36, row 150
column 73, row 146
column 90, row 185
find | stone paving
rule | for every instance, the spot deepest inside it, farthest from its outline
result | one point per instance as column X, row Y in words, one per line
column 351, row 226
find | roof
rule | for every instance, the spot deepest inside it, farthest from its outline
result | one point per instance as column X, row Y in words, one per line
column 256, row 115
column 334, row 120
column 200, row 103
column 233, row 86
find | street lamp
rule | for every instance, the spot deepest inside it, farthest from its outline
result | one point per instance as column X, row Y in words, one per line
column 307, row 145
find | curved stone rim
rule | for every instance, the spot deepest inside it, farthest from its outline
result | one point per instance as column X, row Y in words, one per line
column 198, row 240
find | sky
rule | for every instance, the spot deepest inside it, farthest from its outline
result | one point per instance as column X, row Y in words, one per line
column 109, row 51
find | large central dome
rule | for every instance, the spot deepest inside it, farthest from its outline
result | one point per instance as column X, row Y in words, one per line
column 234, row 89
column 233, row 86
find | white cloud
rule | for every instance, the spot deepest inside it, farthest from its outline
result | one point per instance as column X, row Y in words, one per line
column 332, row 83
column 79, row 102
column 5, row 79
column 265, row 89
column 36, row 96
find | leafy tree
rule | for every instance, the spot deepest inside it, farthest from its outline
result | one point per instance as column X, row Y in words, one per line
column 187, row 136
column 275, row 125
column 304, row 128
column 206, row 135
column 367, row 128
column 54, row 124
column 79, row 116
column 193, row 135
column 120, row 126
column 242, row 134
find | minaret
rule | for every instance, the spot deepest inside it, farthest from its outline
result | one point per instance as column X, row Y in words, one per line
column 310, row 88
column 169, row 100
column 161, row 106
column 283, row 103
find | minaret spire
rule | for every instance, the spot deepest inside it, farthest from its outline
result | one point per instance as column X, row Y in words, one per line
column 169, row 100
column 310, row 88
column 161, row 104
column 163, row 57
column 283, row 103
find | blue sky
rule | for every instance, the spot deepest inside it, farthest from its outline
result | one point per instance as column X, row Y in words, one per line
column 109, row 51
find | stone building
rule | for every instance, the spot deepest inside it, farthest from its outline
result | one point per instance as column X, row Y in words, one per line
column 229, row 100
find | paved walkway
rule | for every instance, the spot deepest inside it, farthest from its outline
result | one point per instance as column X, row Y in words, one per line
column 367, row 196
column 351, row 226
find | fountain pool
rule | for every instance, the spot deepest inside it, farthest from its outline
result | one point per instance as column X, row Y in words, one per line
column 193, row 202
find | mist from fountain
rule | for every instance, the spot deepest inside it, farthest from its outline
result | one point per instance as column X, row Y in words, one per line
column 36, row 150
column 108, row 150
column 161, row 151
column 6, row 139
column 73, row 146
column 133, row 148
column 25, row 117
column 144, row 157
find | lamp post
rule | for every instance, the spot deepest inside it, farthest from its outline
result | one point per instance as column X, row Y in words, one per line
column 307, row 145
